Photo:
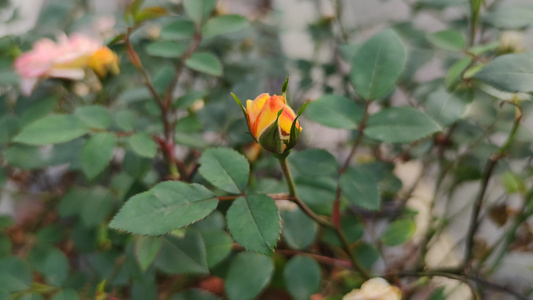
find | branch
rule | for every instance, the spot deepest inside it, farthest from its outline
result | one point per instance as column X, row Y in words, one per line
column 463, row 278
column 318, row 219
column 195, row 42
column 320, row 258
column 335, row 214
column 491, row 163
column 278, row 196
column 510, row 235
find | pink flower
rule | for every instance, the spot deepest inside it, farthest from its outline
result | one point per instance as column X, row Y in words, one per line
column 65, row 59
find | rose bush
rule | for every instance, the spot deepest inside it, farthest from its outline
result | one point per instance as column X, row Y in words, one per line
column 415, row 162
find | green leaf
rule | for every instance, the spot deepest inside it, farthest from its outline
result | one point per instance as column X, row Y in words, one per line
column 5, row 246
column 189, row 124
column 442, row 3
column 178, row 30
column 199, row 10
column 10, row 125
column 224, row 24
column 447, row 39
column 143, row 145
column 52, row 129
column 161, row 81
column 194, row 294
column 226, row 169
column 218, row 245
column 510, row 73
column 314, row 162
column 214, row 221
column 402, row 124
column 186, row 100
column 360, row 189
column 94, row 116
column 150, row 13
column 33, row 296
column 146, row 249
column 445, row 107
column 15, row 274
column 71, row 203
column 50, row 262
column 317, row 192
column 453, row 76
column 37, row 110
column 335, row 111
column 183, row 255
column 97, row 153
column 377, row 65
column 351, row 227
column 66, row 294
column 299, row 231
column 302, row 277
column 513, row 183
column 166, row 49
column 97, row 206
column 254, row 223
column 205, row 62
column 6, row 221
column 248, row 274
column 126, row 119
column 510, row 17
column 367, row 254
column 25, row 157
column 438, row 294
column 167, row 206
column 398, row 232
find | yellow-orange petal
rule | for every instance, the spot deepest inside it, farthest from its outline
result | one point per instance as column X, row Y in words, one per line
column 254, row 107
column 103, row 60
column 267, row 115
column 286, row 119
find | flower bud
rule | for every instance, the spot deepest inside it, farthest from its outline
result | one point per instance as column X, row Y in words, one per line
column 272, row 123
column 511, row 42
column 102, row 61
column 376, row 289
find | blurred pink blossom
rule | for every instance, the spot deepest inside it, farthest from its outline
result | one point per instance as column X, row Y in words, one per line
column 67, row 58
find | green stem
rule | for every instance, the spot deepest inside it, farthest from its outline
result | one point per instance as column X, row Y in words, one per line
column 326, row 223
column 292, row 193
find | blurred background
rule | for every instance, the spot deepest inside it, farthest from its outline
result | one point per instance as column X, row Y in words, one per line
column 302, row 38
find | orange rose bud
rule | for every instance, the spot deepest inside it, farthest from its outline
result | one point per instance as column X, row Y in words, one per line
column 272, row 123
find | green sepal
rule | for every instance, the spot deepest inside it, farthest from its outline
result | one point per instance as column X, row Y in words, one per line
column 295, row 132
column 284, row 88
column 271, row 138
column 244, row 112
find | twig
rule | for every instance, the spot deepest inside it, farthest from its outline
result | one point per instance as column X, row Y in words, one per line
column 167, row 145
column 278, row 196
column 320, row 258
column 292, row 192
column 510, row 235
column 168, row 94
column 335, row 215
column 491, row 163
column 461, row 278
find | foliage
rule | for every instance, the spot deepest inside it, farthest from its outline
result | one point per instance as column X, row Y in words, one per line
column 147, row 184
